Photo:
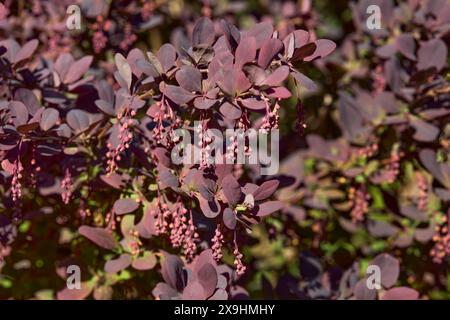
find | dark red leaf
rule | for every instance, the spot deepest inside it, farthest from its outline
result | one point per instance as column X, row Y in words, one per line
column 194, row 291
column 432, row 53
column 230, row 111
column 178, row 95
column 304, row 80
column 266, row 190
column 167, row 56
column 407, row 46
column 26, row 51
column 207, row 277
column 229, row 218
column 204, row 103
column 124, row 70
column 362, row 292
column 49, row 118
column 277, row 77
column 324, row 48
column 389, row 267
column 146, row 262
column 172, row 270
column 245, row 52
column 77, row 69
column 260, row 31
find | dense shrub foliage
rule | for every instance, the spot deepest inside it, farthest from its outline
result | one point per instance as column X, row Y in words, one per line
column 88, row 127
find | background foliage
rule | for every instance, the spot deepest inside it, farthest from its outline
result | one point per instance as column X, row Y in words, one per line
column 364, row 178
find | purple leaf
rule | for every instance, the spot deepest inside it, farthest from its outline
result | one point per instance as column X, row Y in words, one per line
column 164, row 292
column 231, row 189
column 424, row 131
column 49, row 118
column 116, row 265
column 132, row 58
column 123, row 206
column 166, row 178
column 253, row 104
column 304, row 51
column 78, row 120
column 260, row 31
column 76, row 294
column 220, row 294
column 102, row 237
column 114, row 180
column 386, row 51
column 189, row 78
column 241, row 82
column 301, row 38
column 105, row 107
column 229, row 218
column 148, row 68
column 269, row 207
column 210, row 209
column 3, row 11
column 63, row 64
column 28, row 98
column 77, row 69
column 221, row 63
column 428, row 158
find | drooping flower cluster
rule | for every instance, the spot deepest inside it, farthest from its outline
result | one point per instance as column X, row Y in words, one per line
column 66, row 187
column 240, row 268
column 422, row 185
column 441, row 248
column 125, row 136
column 182, row 230
column 360, row 199
column 217, row 242
column 16, row 186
